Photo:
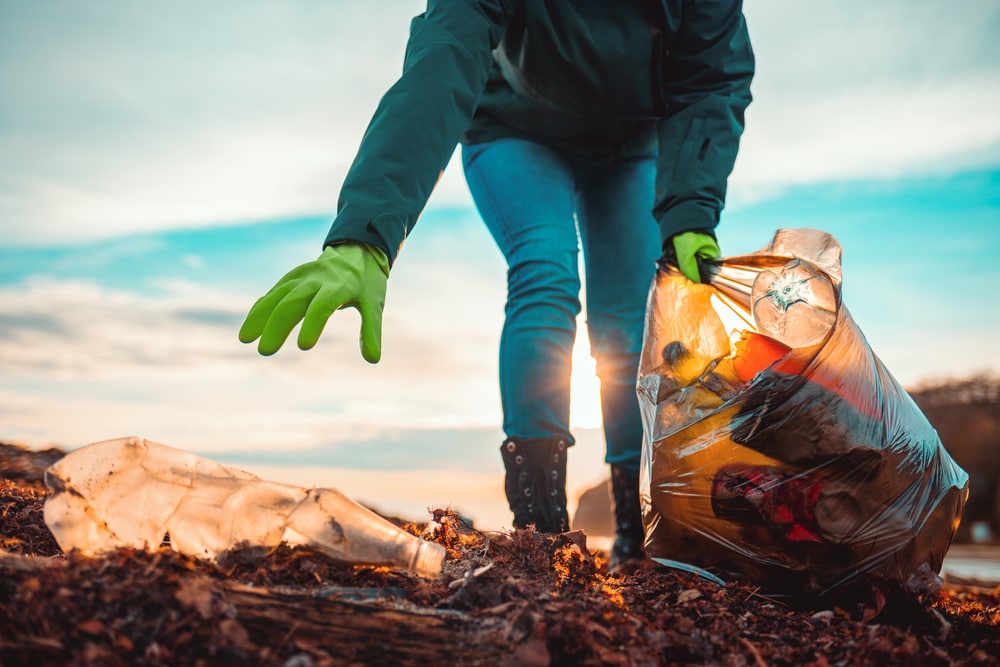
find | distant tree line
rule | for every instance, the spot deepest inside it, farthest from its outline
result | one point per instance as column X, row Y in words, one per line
column 966, row 415
column 978, row 389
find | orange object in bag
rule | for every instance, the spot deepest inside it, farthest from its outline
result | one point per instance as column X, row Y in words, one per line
column 755, row 352
column 782, row 451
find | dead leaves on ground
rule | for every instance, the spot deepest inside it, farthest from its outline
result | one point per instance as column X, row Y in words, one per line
column 519, row 599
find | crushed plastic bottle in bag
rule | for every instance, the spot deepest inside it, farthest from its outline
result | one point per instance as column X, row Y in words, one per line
column 796, row 306
column 132, row 492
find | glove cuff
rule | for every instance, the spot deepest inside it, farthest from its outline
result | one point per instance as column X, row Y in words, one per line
column 370, row 253
column 379, row 256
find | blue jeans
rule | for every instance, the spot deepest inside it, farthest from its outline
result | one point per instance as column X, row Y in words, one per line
column 536, row 202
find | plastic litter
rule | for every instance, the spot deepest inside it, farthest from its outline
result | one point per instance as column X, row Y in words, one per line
column 131, row 492
column 685, row 567
column 777, row 446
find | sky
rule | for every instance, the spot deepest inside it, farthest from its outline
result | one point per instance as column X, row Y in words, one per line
column 162, row 164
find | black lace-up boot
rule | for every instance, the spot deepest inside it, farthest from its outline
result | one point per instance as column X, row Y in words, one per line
column 536, row 482
column 629, row 534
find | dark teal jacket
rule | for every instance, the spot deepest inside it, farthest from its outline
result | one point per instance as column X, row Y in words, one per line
column 605, row 77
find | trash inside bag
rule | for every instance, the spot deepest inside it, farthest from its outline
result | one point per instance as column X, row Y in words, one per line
column 777, row 446
column 132, row 492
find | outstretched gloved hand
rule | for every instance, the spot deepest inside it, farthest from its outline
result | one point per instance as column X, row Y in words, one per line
column 689, row 248
column 347, row 275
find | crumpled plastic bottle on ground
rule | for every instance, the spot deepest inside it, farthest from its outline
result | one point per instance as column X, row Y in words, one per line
column 131, row 492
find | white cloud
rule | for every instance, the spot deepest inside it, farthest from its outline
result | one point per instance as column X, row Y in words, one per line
column 880, row 132
column 160, row 356
column 854, row 90
column 119, row 119
column 78, row 358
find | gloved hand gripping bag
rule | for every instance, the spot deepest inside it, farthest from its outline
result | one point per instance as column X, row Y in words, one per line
column 777, row 447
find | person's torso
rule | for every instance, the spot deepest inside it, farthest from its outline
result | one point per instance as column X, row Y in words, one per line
column 591, row 58
column 580, row 73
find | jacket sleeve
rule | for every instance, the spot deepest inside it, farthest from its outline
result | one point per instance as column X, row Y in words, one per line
column 418, row 122
column 707, row 89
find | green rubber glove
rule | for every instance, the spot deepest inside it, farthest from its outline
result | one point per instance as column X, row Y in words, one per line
column 690, row 247
column 348, row 275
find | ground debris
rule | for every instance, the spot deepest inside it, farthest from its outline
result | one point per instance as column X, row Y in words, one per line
column 516, row 599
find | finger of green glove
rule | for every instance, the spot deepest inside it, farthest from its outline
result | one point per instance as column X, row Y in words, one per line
column 261, row 310
column 709, row 249
column 319, row 311
column 371, row 331
column 284, row 317
column 689, row 267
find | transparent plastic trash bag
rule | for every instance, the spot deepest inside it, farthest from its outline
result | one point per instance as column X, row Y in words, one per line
column 132, row 492
column 777, row 447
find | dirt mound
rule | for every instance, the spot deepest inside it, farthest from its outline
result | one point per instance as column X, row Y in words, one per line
column 512, row 599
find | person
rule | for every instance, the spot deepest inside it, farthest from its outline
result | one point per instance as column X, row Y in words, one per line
column 617, row 124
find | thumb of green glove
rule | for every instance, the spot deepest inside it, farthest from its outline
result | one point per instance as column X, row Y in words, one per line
column 689, row 248
column 348, row 275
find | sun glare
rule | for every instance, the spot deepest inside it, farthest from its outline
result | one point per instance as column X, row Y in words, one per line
column 734, row 318
column 585, row 388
